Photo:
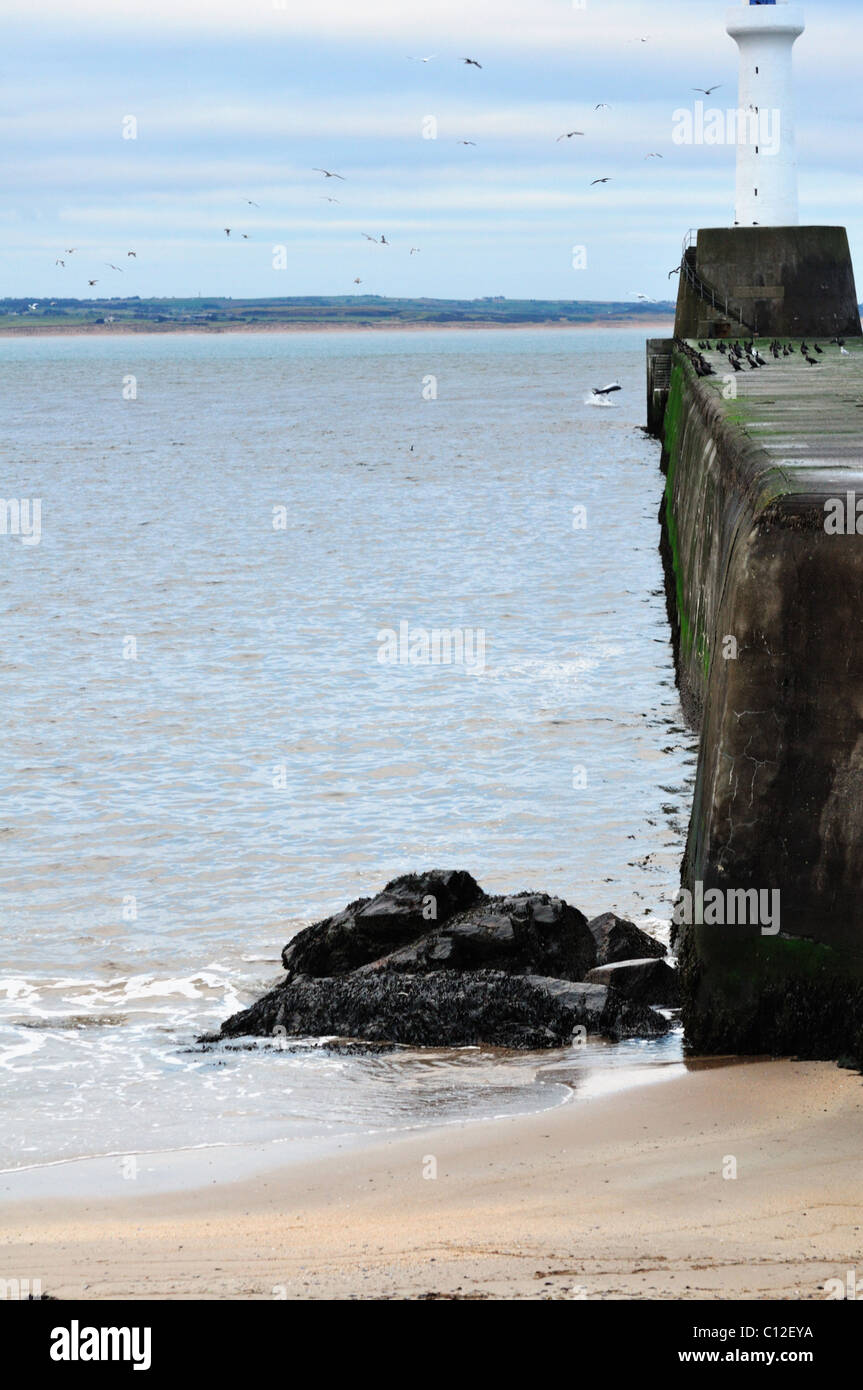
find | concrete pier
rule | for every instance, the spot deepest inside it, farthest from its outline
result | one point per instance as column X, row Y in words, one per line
column 764, row 565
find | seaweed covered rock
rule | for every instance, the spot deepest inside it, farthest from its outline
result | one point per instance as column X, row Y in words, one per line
column 617, row 939
column 522, row 934
column 443, row 1008
column 369, row 928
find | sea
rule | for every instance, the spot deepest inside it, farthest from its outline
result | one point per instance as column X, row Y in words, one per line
column 208, row 742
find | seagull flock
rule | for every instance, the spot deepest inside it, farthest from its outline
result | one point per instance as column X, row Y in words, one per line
column 382, row 240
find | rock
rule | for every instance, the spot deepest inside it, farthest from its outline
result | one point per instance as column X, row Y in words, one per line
column 374, row 927
column 443, row 1008
column 522, row 934
column 617, row 939
column 649, row 981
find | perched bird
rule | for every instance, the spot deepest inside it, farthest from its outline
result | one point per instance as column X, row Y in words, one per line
column 568, row 134
column 813, row 361
column 844, row 352
column 818, row 349
column 327, row 175
column 607, row 390
column 707, row 90
column 605, row 180
column 472, row 62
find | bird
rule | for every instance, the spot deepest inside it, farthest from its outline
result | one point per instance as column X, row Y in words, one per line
column 707, row 90
column 70, row 250
column 327, row 175
column 60, row 263
column 600, row 105
column 111, row 266
column 251, row 204
column 422, row 60
column 227, row 231
column 370, row 238
column 654, row 156
column 415, row 249
column 675, row 271
column 844, row 352
column 813, row 361
column 327, row 199
column 605, row 180
column 357, row 280
column 568, row 134
column 132, row 253
column 245, row 236
column 465, row 142
column 472, row 62
column 818, row 349
column 32, row 306
column 607, row 390
column 384, row 241
column 92, row 282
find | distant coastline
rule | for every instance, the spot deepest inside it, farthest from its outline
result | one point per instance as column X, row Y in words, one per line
column 28, row 318
column 120, row 330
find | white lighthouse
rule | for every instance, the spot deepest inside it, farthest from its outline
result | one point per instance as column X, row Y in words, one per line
column 765, row 32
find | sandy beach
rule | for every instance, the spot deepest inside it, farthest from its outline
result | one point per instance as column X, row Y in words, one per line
column 619, row 1197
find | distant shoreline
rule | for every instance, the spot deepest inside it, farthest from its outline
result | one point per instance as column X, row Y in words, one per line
column 103, row 330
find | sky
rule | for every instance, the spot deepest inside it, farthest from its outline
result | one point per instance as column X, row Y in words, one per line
column 236, row 100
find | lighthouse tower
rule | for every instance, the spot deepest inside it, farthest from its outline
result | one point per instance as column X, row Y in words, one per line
column 765, row 32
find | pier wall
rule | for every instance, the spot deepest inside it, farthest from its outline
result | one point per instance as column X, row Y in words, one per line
column 767, row 615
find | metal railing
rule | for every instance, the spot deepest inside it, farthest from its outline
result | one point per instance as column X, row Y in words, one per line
column 705, row 291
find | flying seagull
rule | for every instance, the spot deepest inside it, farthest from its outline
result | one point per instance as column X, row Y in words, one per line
column 654, row 156
column 607, row 390
column 568, row 134
column 327, row 199
column 707, row 90
column 70, row 250
column 358, row 281
column 384, row 241
column 245, row 236
column 132, row 253
column 370, row 238
column 92, row 282
column 605, row 180
column 227, row 231
column 465, row 142
column 602, row 104
column 60, row 263
column 472, row 62
column 675, row 271
column 251, row 204
column 414, row 249
column 111, row 266
column 327, row 175
column 423, row 60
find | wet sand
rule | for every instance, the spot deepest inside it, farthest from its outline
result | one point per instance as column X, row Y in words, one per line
column 622, row 1196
